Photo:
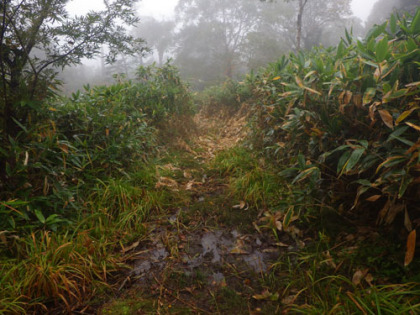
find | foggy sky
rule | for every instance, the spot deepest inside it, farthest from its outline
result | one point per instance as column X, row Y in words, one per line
column 164, row 8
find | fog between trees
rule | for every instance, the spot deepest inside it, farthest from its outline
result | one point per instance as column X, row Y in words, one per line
column 212, row 41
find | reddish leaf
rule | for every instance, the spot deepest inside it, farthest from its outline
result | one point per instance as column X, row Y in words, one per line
column 411, row 248
column 374, row 198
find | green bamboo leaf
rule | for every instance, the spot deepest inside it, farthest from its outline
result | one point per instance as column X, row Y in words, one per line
column 305, row 174
column 40, row 216
column 376, row 31
column 343, row 161
column 340, row 50
column 415, row 24
column 369, row 95
column 405, row 182
column 348, row 37
column 393, row 24
column 381, row 50
column 288, row 216
column 354, row 158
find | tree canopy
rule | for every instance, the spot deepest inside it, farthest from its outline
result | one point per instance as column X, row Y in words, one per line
column 39, row 36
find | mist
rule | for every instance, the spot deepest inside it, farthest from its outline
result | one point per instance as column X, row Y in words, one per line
column 211, row 42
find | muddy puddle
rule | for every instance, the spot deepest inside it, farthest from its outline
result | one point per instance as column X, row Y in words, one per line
column 206, row 251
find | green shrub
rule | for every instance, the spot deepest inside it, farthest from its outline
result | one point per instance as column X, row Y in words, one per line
column 71, row 142
column 228, row 96
column 348, row 119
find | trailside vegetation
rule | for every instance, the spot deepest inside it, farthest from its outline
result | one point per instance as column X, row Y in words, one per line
column 79, row 186
column 345, row 121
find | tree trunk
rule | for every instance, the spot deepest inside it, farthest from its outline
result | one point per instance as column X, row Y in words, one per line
column 160, row 55
column 302, row 4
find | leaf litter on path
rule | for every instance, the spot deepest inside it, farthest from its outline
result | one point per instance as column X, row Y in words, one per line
column 182, row 261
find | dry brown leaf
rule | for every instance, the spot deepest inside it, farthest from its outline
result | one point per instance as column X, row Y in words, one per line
column 357, row 100
column 241, row 205
column 411, row 248
column 166, row 182
column 266, row 295
column 373, row 198
column 279, row 226
column 170, row 167
column 329, row 260
column 187, row 175
column 369, row 279
column 27, row 158
column 190, row 185
column 392, row 213
column 294, row 231
column 238, row 251
column 358, row 276
column 386, row 118
column 280, row 244
column 413, row 126
column 289, row 299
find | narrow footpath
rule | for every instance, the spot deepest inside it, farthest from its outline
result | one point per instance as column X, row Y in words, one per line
column 208, row 255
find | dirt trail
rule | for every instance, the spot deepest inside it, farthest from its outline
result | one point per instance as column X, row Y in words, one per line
column 192, row 261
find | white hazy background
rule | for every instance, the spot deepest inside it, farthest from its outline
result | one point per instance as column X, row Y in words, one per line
column 163, row 9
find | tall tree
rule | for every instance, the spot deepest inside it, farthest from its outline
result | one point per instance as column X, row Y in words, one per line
column 221, row 28
column 159, row 35
column 37, row 36
column 313, row 17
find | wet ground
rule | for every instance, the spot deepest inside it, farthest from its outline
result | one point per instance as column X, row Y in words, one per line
column 205, row 257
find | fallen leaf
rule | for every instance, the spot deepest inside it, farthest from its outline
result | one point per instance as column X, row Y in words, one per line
column 280, row 244
column 289, row 299
column 358, row 276
column 25, row 163
column 279, row 226
column 241, row 205
column 187, row 174
column 266, row 295
column 369, row 279
column 411, row 247
column 294, row 231
column 329, row 261
column 166, row 182
column 238, row 251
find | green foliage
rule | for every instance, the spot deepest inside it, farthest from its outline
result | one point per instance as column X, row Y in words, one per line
column 228, row 96
column 162, row 92
column 77, row 187
column 73, row 142
column 347, row 119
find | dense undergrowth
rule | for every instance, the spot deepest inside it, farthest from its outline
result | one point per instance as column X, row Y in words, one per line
column 345, row 122
column 80, row 184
